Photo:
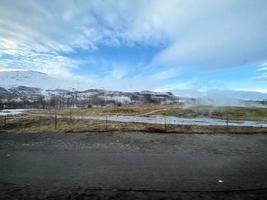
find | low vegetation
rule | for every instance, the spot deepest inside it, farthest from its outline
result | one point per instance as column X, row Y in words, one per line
column 100, row 111
column 34, row 122
column 30, row 124
column 231, row 113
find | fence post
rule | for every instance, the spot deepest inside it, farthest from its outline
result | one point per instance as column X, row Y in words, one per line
column 71, row 117
column 106, row 123
column 55, row 119
column 165, row 124
column 40, row 122
column 227, row 121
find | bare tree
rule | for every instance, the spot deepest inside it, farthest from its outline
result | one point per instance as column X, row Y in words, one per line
column 2, row 104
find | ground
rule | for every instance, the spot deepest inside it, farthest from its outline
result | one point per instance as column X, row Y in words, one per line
column 47, row 157
column 133, row 166
column 42, row 121
column 193, row 111
column 44, row 124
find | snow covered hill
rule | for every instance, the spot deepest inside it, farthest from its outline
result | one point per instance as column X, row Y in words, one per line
column 12, row 79
column 15, row 86
column 35, row 88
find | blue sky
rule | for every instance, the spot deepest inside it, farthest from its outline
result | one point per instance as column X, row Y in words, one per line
column 161, row 45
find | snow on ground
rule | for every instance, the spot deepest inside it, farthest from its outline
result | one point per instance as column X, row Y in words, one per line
column 7, row 112
column 154, row 119
column 117, row 98
column 176, row 120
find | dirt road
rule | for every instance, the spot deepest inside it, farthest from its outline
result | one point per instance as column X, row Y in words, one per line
column 178, row 164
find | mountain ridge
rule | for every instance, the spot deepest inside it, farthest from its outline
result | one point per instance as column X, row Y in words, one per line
column 34, row 88
column 12, row 79
column 17, row 86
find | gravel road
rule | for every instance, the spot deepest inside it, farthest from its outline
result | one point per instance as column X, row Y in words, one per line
column 133, row 166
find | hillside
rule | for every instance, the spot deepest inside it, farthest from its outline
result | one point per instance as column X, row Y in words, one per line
column 12, row 79
column 35, row 89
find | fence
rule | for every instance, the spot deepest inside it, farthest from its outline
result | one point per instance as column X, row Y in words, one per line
column 66, row 123
column 53, row 122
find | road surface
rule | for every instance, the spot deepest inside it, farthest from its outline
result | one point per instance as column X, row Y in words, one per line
column 173, row 163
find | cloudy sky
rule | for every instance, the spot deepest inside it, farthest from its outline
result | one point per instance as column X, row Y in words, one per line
column 162, row 45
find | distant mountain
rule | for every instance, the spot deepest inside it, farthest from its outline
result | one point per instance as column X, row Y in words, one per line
column 35, row 89
column 4, row 93
column 22, row 96
column 22, row 91
column 12, row 79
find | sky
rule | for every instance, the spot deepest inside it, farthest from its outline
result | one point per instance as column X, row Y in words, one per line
column 160, row 45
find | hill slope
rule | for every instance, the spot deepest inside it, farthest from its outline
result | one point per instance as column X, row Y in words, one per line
column 11, row 79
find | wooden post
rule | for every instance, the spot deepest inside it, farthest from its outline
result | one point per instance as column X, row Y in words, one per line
column 55, row 119
column 165, row 124
column 70, row 116
column 106, row 123
column 227, row 121
column 40, row 122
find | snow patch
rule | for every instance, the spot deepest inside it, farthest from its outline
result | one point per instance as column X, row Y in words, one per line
column 8, row 112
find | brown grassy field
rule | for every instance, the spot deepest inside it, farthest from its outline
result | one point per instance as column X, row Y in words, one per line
column 231, row 113
column 30, row 124
column 123, row 110
column 40, row 124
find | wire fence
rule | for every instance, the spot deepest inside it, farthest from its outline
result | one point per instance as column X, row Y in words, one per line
column 55, row 121
column 69, row 122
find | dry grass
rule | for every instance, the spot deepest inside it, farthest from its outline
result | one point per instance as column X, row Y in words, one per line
column 123, row 110
column 29, row 124
column 38, row 124
column 232, row 113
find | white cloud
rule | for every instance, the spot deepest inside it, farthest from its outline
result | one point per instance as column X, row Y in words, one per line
column 121, row 77
column 166, row 74
column 218, row 34
column 4, row 69
column 39, row 35
column 118, row 72
column 263, row 68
